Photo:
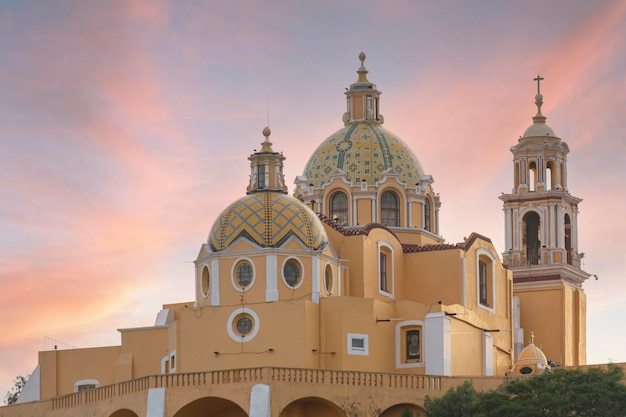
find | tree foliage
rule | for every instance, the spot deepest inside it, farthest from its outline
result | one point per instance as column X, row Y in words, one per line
column 563, row 393
column 12, row 395
column 457, row 402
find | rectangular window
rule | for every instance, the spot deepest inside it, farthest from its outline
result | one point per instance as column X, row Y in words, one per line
column 358, row 344
column 383, row 272
column 413, row 345
column 261, row 176
column 482, row 282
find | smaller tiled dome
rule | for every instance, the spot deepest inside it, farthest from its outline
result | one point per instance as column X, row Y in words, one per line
column 268, row 219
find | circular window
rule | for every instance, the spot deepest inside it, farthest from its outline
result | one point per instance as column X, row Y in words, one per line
column 205, row 281
column 292, row 272
column 526, row 370
column 243, row 274
column 328, row 279
column 243, row 325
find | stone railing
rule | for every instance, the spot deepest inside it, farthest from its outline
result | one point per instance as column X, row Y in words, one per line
column 249, row 375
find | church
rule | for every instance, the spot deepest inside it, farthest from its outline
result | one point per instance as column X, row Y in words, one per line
column 343, row 298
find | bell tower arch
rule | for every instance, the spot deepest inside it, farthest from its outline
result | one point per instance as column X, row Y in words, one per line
column 541, row 238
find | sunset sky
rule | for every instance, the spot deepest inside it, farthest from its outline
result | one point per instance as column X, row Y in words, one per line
column 125, row 128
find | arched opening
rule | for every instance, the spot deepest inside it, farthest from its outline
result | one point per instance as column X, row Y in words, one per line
column 404, row 410
column 532, row 239
column 312, row 407
column 390, row 209
column 568, row 238
column 124, row 413
column 532, row 176
column 339, row 208
column 550, row 173
column 211, row 407
column 516, row 176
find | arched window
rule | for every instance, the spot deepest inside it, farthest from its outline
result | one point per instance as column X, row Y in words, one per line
column 390, row 209
column 339, row 208
column 550, row 172
column 532, row 240
column 482, row 283
column 532, row 176
column 385, row 269
column 485, row 280
column 427, row 214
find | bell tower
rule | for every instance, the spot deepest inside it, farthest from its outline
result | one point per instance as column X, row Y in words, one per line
column 541, row 238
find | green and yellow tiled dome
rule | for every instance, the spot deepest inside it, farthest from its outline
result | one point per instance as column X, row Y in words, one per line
column 363, row 151
column 268, row 219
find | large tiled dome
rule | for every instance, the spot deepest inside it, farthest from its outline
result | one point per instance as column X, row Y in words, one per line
column 268, row 219
column 364, row 151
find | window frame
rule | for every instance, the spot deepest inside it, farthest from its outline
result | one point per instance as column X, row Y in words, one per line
column 386, row 250
column 205, row 267
column 333, row 210
column 385, row 209
column 483, row 255
column 329, row 289
column 401, row 329
column 233, row 274
column 364, row 351
column 300, row 270
column 231, row 324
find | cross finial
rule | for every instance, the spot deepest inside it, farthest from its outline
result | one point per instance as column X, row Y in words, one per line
column 539, row 79
column 532, row 337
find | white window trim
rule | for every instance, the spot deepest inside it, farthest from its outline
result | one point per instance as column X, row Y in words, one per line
column 390, row 279
column 358, row 351
column 282, row 273
column 233, row 278
column 400, row 342
column 492, row 302
column 78, row 383
column 255, row 329
column 175, row 359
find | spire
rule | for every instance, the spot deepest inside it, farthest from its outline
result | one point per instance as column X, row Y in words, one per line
column 539, row 118
column 363, row 98
column 362, row 71
column 266, row 168
column 539, row 128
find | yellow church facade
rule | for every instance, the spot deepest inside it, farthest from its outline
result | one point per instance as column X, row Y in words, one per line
column 343, row 298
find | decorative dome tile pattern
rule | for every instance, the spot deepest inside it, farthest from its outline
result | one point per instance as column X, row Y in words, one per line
column 363, row 151
column 268, row 219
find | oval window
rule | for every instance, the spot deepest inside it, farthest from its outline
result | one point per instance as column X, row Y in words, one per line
column 292, row 272
column 243, row 274
column 328, row 279
column 526, row 370
column 205, row 281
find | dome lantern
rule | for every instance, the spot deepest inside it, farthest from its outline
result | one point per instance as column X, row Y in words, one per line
column 363, row 99
column 266, row 168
